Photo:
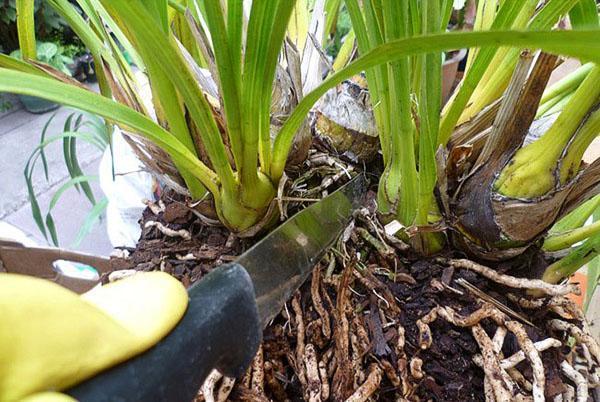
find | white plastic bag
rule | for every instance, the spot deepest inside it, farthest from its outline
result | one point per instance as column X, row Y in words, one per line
column 126, row 192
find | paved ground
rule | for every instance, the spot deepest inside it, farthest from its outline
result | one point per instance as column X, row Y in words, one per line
column 19, row 135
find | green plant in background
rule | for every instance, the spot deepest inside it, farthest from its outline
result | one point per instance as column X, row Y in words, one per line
column 5, row 104
column 51, row 54
column 217, row 133
column 48, row 23
column 77, row 126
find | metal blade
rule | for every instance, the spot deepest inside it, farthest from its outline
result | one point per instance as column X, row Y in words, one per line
column 280, row 262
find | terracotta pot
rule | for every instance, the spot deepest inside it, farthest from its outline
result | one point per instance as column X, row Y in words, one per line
column 449, row 71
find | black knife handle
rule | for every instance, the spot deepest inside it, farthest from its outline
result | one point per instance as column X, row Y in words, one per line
column 220, row 329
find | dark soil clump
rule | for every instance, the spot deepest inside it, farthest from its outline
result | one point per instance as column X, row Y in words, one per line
column 186, row 258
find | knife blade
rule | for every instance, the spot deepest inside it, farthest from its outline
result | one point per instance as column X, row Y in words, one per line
column 229, row 307
column 280, row 263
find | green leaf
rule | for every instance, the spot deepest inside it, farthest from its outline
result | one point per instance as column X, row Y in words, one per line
column 42, row 139
column 227, row 48
column 46, row 51
column 52, row 230
column 56, row 197
column 92, row 217
column 158, row 10
column 509, row 12
column 14, row 63
column 26, row 28
column 332, row 9
column 429, row 115
column 584, row 15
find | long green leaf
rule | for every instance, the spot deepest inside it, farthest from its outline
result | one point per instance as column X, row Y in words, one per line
column 227, row 49
column 19, row 65
column 581, row 44
column 73, row 182
column 274, row 40
column 93, row 216
column 584, row 15
column 429, row 114
column 42, row 139
column 26, row 29
column 260, row 24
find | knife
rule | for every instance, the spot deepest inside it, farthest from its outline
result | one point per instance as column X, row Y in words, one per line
column 228, row 309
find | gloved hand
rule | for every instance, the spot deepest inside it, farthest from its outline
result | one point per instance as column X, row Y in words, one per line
column 52, row 339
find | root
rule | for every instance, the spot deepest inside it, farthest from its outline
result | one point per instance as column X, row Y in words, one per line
column 120, row 274
column 578, row 379
column 312, row 392
column 511, row 281
column 369, row 387
column 540, row 346
column 416, row 368
column 357, row 353
column 519, row 378
column 155, row 208
column 300, row 342
column 529, row 350
column 225, row 389
column 342, row 378
column 390, row 373
column 527, row 303
column 184, row 234
column 491, row 366
column 580, row 336
column 451, row 316
column 383, row 249
column 208, row 388
column 318, row 303
column 324, row 375
column 537, row 367
column 374, row 285
column 258, row 373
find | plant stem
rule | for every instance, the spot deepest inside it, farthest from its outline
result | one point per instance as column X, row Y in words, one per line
column 560, row 241
column 577, row 258
column 548, row 107
column 567, row 84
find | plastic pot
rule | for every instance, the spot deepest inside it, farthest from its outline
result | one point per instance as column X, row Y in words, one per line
column 449, row 71
column 37, row 105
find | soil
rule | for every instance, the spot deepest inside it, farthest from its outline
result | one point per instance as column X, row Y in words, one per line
column 386, row 294
column 186, row 259
column 354, row 330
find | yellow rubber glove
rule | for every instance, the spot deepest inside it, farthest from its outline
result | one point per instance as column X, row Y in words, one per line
column 52, row 338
